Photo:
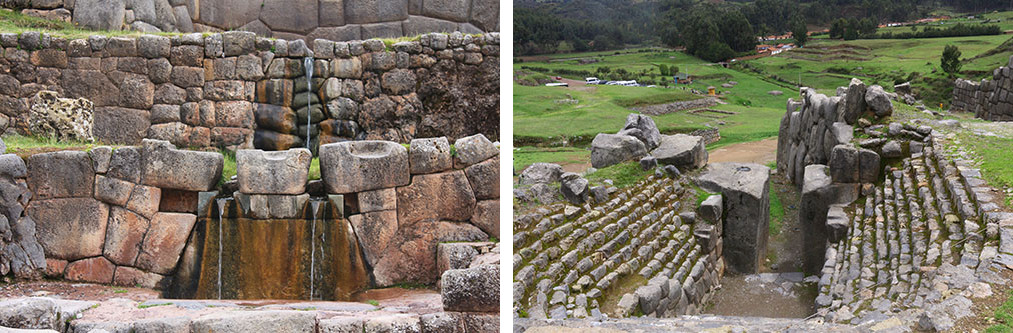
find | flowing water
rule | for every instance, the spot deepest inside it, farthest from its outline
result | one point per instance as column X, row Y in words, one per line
column 308, row 64
column 277, row 258
column 313, row 249
column 221, row 212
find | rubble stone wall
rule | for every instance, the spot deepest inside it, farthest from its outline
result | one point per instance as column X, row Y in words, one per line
column 236, row 90
column 341, row 20
column 988, row 99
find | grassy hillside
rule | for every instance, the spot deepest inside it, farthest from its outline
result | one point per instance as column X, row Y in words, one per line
column 827, row 64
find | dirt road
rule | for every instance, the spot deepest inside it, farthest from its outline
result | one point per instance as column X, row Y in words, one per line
column 759, row 152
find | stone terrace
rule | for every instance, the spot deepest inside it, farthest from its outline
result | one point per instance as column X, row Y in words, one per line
column 636, row 252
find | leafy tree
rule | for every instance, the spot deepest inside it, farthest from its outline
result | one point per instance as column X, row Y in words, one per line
column 664, row 70
column 736, row 31
column 716, row 51
column 673, row 69
column 837, row 28
column 951, row 59
column 800, row 32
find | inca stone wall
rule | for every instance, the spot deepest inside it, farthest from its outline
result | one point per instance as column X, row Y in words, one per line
column 812, row 127
column 573, row 261
column 339, row 20
column 117, row 216
column 125, row 216
column 988, row 99
column 236, row 90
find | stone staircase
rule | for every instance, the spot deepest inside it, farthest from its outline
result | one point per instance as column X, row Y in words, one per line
column 930, row 216
column 634, row 254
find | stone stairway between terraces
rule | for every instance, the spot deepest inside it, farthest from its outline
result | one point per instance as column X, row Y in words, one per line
column 929, row 217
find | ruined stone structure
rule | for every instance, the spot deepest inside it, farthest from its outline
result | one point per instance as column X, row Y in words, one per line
column 812, row 128
column 285, row 19
column 932, row 227
column 236, row 90
column 988, row 99
column 570, row 260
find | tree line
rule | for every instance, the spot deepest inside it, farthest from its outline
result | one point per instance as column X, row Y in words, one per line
column 717, row 31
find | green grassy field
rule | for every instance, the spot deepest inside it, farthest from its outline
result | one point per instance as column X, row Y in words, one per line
column 546, row 118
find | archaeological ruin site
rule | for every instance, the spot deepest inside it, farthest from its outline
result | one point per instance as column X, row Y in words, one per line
column 239, row 166
column 895, row 228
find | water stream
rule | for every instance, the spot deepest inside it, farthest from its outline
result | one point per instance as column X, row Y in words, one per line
column 308, row 64
column 221, row 212
column 315, row 204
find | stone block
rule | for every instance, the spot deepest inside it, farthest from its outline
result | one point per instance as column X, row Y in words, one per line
column 377, row 200
column 165, row 166
column 375, row 231
column 276, row 172
column 683, row 151
column 256, row 321
column 473, row 149
column 373, row 11
column 70, row 228
column 271, row 206
column 744, row 188
column 844, row 161
column 112, row 191
column 471, row 290
column 97, row 270
column 357, row 166
column 541, row 173
column 440, row 196
column 612, row 149
column 61, row 174
column 124, row 234
column 429, row 155
column 484, row 178
column 164, row 241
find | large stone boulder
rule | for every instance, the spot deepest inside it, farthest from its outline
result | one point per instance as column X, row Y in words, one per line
column 540, row 173
column 744, row 188
column 643, row 128
column 356, row 166
column 484, row 178
column 879, row 101
column 611, row 149
column 471, row 289
column 411, row 256
column 274, row 172
column 438, row 196
column 574, row 188
column 844, row 164
column 681, row 150
column 854, row 102
column 164, row 166
column 70, row 228
column 124, row 234
column 60, row 118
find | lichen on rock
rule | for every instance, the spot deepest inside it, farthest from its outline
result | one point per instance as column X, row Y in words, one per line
column 60, row 118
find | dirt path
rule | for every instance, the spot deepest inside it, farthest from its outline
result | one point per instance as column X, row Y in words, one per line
column 759, row 152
